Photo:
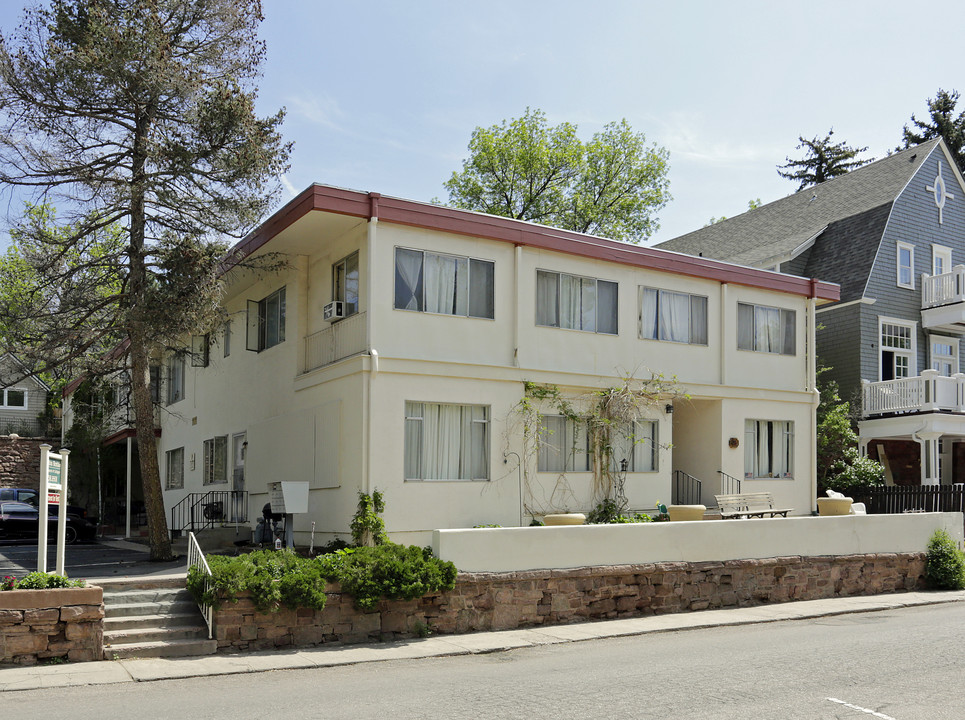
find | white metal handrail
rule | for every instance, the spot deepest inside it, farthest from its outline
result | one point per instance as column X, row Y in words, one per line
column 341, row 340
column 943, row 289
column 196, row 559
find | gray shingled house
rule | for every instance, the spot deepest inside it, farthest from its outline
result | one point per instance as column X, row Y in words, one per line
column 23, row 397
column 892, row 235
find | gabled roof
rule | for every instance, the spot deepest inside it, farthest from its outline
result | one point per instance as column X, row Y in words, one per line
column 777, row 231
column 25, row 372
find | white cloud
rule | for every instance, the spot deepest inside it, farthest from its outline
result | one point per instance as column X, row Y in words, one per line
column 286, row 183
column 320, row 110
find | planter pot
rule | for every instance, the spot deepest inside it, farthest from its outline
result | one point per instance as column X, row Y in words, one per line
column 834, row 506
column 679, row 513
column 564, row 519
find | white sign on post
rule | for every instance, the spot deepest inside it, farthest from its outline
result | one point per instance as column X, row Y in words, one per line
column 53, row 488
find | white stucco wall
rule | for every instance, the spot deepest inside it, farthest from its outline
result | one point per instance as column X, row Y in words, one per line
column 514, row 549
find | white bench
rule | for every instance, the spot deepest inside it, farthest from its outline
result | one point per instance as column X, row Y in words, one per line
column 749, row 505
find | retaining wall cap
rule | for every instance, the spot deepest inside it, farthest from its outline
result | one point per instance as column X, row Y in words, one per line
column 52, row 598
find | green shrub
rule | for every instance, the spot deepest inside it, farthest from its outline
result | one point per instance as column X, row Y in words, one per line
column 44, row 581
column 399, row 572
column 855, row 473
column 944, row 563
column 367, row 527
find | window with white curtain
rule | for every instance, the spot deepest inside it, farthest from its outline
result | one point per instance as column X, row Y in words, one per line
column 576, row 303
column 639, row 447
column 768, row 449
column 766, row 329
column 446, row 442
column 444, row 284
column 216, row 460
column 673, row 316
column 562, row 445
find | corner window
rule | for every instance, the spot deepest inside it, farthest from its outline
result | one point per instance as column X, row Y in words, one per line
column 216, row 460
column 768, row 449
column 906, row 266
column 266, row 321
column 13, row 397
column 766, row 329
column 174, row 469
column 175, row 378
column 562, row 445
column 576, row 303
column 444, row 284
column 673, row 316
column 345, row 283
column 446, row 442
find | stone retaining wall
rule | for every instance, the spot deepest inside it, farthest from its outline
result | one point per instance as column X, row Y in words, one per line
column 20, row 461
column 503, row 601
column 64, row 623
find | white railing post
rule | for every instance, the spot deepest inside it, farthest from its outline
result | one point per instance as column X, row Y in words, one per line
column 929, row 398
column 959, row 379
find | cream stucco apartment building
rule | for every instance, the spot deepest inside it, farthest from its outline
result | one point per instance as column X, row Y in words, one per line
column 393, row 351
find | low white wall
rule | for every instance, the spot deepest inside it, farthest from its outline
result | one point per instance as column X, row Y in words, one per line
column 533, row 548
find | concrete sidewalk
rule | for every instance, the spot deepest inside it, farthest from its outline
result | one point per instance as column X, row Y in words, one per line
column 98, row 673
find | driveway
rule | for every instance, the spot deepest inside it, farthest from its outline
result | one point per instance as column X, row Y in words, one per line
column 99, row 559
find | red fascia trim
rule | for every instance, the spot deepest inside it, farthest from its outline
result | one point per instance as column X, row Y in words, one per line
column 116, row 351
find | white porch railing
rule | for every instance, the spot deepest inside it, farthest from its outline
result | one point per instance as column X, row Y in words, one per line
column 340, row 340
column 944, row 289
column 928, row 392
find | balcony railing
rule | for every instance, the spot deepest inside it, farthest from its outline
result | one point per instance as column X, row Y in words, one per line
column 928, row 392
column 945, row 289
column 340, row 340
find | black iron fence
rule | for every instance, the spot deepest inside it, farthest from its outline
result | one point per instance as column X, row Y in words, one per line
column 198, row 511
column 915, row 498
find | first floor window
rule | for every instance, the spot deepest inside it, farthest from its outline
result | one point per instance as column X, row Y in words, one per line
column 13, row 397
column 446, row 442
column 175, row 378
column 444, row 284
column 174, row 470
column 562, row 445
column 766, row 329
column 266, row 321
column 576, row 303
column 673, row 316
column 638, row 448
column 944, row 354
column 216, row 460
column 768, row 448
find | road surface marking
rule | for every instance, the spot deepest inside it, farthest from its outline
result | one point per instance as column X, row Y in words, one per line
column 864, row 710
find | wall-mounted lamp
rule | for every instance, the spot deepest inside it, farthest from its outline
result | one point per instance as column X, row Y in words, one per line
column 669, row 409
column 623, row 465
column 733, row 443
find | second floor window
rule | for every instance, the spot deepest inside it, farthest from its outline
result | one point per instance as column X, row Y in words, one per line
column 175, row 378
column 444, row 284
column 345, row 283
column 906, row 265
column 766, row 329
column 673, row 316
column 266, row 321
column 576, row 303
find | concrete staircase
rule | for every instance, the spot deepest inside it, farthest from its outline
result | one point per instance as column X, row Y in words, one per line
column 152, row 617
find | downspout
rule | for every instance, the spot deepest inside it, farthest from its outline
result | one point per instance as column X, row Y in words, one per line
column 723, row 334
column 370, row 239
column 516, row 320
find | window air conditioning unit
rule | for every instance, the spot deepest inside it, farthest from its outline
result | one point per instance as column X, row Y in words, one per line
column 335, row 310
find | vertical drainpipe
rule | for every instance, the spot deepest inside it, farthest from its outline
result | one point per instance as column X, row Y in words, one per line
column 516, row 320
column 724, row 340
column 369, row 323
column 812, row 379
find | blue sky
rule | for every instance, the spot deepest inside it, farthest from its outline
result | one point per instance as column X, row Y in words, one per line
column 383, row 96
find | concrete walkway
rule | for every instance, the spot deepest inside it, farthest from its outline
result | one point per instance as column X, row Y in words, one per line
column 98, row 673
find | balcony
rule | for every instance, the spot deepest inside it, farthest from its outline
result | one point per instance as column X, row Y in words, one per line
column 340, row 340
column 928, row 392
column 943, row 301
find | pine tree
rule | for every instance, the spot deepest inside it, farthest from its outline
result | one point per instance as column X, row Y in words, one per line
column 823, row 160
column 137, row 115
column 944, row 123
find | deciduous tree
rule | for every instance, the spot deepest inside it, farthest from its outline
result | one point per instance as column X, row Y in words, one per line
column 137, row 115
column 612, row 185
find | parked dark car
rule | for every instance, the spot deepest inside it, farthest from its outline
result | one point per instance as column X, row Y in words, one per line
column 32, row 497
column 19, row 520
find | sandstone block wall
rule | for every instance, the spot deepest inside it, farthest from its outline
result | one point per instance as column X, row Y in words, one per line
column 40, row 624
column 20, row 461
column 503, row 601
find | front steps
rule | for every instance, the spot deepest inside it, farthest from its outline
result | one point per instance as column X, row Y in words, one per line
column 152, row 618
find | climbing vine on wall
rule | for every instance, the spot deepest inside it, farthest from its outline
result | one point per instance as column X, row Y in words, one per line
column 609, row 416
